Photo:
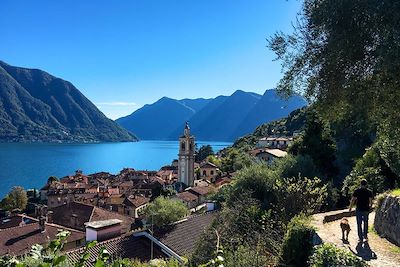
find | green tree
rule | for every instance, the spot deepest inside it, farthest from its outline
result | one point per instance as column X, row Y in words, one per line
column 374, row 169
column 242, row 226
column 164, row 211
column 214, row 160
column 297, row 195
column 344, row 54
column 15, row 199
column 317, row 143
column 234, row 159
column 204, row 152
column 294, row 166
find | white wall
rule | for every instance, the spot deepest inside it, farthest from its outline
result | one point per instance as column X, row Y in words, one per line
column 91, row 234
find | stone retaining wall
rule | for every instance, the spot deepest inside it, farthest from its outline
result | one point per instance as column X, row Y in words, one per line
column 387, row 219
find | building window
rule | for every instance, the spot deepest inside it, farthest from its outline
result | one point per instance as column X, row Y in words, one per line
column 204, row 172
column 212, row 172
column 183, row 146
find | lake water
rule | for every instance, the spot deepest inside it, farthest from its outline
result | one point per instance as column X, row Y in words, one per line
column 29, row 165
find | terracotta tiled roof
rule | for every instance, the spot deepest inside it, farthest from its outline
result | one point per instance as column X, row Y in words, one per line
column 75, row 214
column 222, row 180
column 19, row 240
column 123, row 247
column 186, row 196
column 274, row 152
column 165, row 172
column 126, row 184
column 200, row 190
column 208, row 165
column 254, row 152
column 183, row 236
column 136, row 201
column 16, row 220
column 100, row 214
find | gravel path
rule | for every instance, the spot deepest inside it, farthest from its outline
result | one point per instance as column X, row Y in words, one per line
column 377, row 252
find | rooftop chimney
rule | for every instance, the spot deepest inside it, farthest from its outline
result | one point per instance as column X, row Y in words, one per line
column 103, row 230
column 49, row 217
column 74, row 219
column 42, row 223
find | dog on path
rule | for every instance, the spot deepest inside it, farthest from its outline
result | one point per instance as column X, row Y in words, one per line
column 344, row 224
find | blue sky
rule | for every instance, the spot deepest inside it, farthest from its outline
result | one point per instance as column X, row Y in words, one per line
column 124, row 54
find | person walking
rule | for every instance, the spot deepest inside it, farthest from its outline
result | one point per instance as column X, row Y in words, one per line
column 362, row 197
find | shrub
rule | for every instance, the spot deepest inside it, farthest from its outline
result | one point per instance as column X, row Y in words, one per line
column 330, row 255
column 258, row 179
column 294, row 166
column 299, row 195
column 372, row 168
column 297, row 244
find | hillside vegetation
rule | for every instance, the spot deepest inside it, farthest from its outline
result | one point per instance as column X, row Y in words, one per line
column 36, row 106
column 224, row 118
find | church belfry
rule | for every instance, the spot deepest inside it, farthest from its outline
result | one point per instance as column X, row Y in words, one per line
column 186, row 157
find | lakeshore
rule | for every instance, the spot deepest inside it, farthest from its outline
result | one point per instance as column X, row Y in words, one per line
column 29, row 165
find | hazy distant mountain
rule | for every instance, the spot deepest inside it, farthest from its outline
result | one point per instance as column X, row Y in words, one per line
column 224, row 118
column 36, row 106
column 269, row 108
column 158, row 120
column 220, row 121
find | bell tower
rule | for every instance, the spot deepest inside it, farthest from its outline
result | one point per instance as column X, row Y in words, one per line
column 186, row 157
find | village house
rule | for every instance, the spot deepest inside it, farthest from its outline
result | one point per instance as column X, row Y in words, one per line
column 94, row 189
column 114, row 203
column 125, row 186
column 113, row 190
column 208, row 171
column 275, row 142
column 74, row 215
column 193, row 197
column 269, row 155
column 134, row 204
column 177, row 242
column 201, row 192
column 135, row 246
column 18, row 240
column 166, row 175
column 200, row 182
column 14, row 220
column 96, row 178
column 188, row 198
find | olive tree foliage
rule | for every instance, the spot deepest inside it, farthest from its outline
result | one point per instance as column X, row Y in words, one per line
column 235, row 159
column 15, row 199
column 245, row 233
column 373, row 168
column 256, row 208
column 164, row 211
column 345, row 55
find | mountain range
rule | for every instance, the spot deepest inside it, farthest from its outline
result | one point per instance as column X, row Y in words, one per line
column 224, row 118
column 36, row 106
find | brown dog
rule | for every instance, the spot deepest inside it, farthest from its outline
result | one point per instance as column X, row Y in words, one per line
column 344, row 224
